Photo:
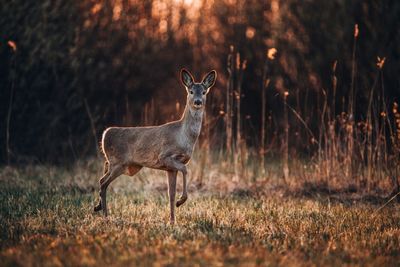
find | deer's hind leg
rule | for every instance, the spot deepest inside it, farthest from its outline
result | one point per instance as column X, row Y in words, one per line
column 106, row 165
column 113, row 172
column 102, row 179
column 110, row 176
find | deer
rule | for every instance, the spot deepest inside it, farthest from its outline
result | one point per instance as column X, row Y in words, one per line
column 166, row 147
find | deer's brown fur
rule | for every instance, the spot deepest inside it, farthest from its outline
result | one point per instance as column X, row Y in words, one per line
column 166, row 147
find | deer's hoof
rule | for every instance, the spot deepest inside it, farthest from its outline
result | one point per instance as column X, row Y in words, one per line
column 98, row 207
column 181, row 200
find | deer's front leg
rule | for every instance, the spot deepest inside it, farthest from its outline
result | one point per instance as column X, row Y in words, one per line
column 184, row 196
column 171, row 193
column 174, row 162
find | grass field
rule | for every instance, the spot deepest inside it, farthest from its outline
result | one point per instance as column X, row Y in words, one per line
column 46, row 219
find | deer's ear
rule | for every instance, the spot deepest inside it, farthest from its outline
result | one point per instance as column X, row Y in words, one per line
column 209, row 80
column 186, row 78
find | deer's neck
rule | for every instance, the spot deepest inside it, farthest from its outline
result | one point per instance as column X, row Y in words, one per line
column 191, row 122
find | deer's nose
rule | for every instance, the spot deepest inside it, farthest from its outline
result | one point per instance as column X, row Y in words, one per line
column 198, row 102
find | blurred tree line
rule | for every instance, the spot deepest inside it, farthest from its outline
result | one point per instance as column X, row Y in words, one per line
column 69, row 69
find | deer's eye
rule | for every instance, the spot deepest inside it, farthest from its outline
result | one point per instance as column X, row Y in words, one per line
column 204, row 92
column 191, row 92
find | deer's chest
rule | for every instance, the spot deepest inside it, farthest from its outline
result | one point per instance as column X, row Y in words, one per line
column 185, row 145
column 185, row 139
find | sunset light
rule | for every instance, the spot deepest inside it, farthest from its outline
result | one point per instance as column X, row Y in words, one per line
column 199, row 133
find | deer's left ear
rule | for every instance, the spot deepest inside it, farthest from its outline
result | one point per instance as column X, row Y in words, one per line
column 209, row 80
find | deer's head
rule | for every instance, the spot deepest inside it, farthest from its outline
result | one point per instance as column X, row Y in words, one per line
column 197, row 92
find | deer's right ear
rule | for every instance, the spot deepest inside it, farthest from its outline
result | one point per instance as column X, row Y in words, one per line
column 186, row 78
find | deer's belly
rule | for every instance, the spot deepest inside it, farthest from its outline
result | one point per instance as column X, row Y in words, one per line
column 153, row 154
column 144, row 158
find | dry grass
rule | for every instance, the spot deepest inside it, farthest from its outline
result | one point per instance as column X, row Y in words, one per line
column 46, row 219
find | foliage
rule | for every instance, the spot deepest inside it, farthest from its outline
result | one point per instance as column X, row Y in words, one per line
column 81, row 66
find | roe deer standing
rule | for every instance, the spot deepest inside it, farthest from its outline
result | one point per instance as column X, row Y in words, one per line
column 166, row 147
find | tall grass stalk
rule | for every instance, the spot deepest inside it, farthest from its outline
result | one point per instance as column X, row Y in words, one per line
column 92, row 126
column 11, row 100
column 286, row 138
column 351, row 107
column 270, row 56
column 265, row 83
column 240, row 145
column 229, row 102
